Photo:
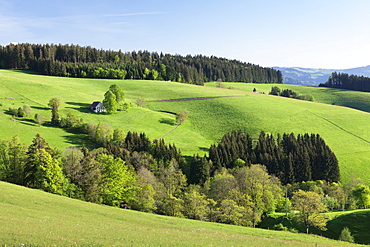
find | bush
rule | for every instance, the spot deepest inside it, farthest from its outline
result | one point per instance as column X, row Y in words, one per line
column 280, row 227
column 346, row 236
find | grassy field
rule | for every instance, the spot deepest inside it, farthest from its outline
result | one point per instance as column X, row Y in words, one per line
column 356, row 220
column 353, row 99
column 35, row 218
column 345, row 130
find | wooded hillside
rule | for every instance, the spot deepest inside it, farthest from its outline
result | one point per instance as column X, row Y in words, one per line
column 77, row 61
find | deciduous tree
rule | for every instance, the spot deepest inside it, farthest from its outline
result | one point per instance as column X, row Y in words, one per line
column 309, row 205
column 54, row 103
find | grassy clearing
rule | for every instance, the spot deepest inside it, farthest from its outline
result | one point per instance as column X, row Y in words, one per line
column 345, row 130
column 32, row 217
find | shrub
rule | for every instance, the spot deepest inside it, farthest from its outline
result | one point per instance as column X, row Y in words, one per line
column 345, row 235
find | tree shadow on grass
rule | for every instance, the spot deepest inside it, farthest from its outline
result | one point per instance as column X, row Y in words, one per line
column 81, row 107
column 40, row 108
column 168, row 121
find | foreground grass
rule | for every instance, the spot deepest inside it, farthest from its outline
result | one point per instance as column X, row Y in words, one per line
column 32, row 217
column 345, row 130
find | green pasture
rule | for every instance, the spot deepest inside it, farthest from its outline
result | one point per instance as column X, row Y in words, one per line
column 353, row 99
column 345, row 130
column 35, row 218
column 356, row 220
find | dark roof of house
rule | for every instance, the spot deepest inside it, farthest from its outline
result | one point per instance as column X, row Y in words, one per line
column 95, row 104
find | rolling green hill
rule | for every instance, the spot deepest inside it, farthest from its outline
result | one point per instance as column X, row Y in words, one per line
column 35, row 218
column 345, row 130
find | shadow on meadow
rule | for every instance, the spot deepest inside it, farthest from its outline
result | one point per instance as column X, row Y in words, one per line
column 81, row 107
column 168, row 121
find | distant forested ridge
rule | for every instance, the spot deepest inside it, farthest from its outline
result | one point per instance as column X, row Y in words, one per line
column 88, row 62
column 345, row 81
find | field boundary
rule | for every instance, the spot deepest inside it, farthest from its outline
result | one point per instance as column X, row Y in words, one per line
column 190, row 99
column 341, row 128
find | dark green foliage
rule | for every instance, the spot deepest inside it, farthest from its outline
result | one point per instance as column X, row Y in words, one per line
column 345, row 81
column 77, row 61
column 288, row 93
column 233, row 146
column 200, row 170
column 291, row 159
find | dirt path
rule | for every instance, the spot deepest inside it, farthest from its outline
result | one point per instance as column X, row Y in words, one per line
column 189, row 99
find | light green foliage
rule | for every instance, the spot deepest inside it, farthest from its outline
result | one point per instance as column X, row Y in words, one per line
column 310, row 206
column 264, row 193
column 118, row 183
column 144, row 200
column 221, row 185
column 182, row 116
column 110, row 102
column 195, row 203
column 49, row 175
column 118, row 135
column 118, row 92
column 39, row 119
column 173, row 206
column 361, row 193
column 345, row 235
column 12, row 159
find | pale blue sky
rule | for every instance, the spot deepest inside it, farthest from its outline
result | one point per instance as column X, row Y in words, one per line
column 332, row 34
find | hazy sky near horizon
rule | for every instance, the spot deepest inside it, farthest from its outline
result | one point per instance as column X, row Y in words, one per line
column 332, row 34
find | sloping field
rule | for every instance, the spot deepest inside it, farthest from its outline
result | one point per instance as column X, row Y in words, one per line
column 345, row 130
column 35, row 218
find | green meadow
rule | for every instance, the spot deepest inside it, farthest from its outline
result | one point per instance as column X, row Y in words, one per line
column 35, row 218
column 344, row 129
column 356, row 220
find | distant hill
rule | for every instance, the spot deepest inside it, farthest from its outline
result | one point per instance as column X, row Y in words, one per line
column 313, row 77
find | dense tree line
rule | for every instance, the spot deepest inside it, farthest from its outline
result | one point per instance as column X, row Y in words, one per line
column 345, row 81
column 292, row 159
column 77, row 61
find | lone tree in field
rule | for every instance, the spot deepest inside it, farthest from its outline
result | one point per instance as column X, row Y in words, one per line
column 110, row 102
column 54, row 103
column 182, row 116
column 310, row 206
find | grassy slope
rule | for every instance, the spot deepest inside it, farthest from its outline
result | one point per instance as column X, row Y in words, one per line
column 32, row 217
column 356, row 220
column 345, row 130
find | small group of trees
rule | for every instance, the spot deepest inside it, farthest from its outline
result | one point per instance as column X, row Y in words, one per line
column 292, row 159
column 113, row 98
column 24, row 111
column 288, row 93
